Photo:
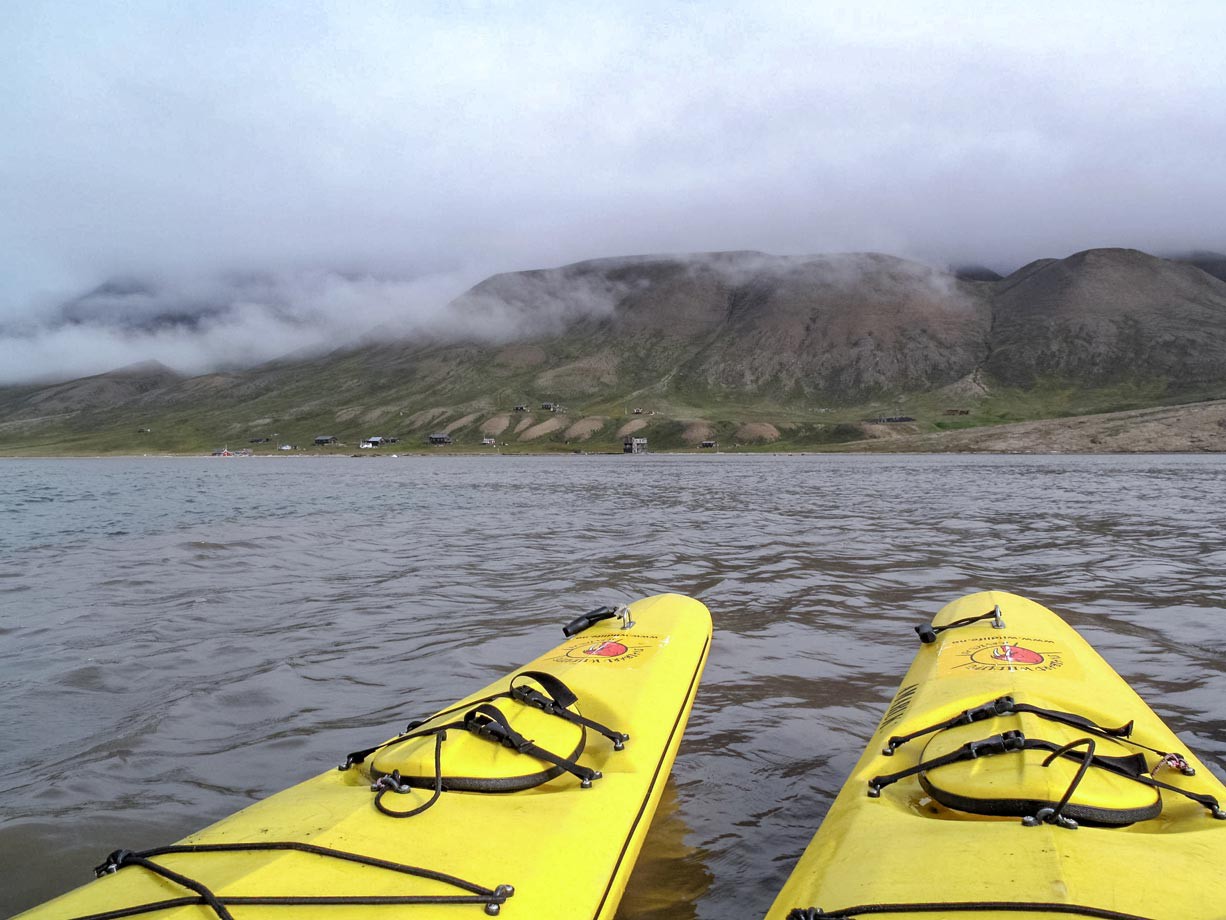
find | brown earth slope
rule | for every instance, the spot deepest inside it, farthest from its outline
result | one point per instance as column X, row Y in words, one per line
column 721, row 339
column 1199, row 427
column 1108, row 315
column 838, row 324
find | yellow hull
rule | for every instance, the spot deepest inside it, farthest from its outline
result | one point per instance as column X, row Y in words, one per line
column 905, row 847
column 566, row 850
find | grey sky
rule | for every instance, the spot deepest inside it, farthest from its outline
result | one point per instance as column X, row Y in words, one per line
column 433, row 143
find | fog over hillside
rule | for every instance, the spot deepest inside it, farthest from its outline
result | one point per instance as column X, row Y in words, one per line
column 848, row 322
column 214, row 185
column 805, row 351
column 200, row 324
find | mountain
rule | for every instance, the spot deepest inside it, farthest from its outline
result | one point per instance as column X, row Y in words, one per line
column 1107, row 316
column 739, row 347
column 134, row 305
column 833, row 326
column 975, row 273
column 113, row 388
column 1214, row 263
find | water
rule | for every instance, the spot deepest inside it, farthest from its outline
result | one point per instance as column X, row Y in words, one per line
column 181, row 637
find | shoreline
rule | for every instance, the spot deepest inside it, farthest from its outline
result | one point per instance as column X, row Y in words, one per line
column 451, row 455
column 1186, row 428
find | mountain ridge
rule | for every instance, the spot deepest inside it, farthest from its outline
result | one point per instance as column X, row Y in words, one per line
column 807, row 346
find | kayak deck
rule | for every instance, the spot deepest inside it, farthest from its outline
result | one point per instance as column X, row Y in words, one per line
column 566, row 851
column 891, row 838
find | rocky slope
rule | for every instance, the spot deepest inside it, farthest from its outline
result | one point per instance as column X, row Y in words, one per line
column 744, row 348
column 1194, row 428
column 117, row 387
column 826, row 326
column 1105, row 316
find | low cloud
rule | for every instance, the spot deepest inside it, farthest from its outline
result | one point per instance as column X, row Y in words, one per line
column 196, row 325
column 410, row 141
column 531, row 304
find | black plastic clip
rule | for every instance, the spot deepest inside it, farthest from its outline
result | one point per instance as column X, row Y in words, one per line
column 997, row 744
column 496, row 731
column 997, row 707
column 527, row 695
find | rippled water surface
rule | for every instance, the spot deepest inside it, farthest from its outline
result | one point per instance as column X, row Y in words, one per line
column 181, row 637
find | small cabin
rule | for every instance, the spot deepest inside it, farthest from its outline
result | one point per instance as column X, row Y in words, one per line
column 376, row 441
column 709, row 444
column 634, row 446
column 440, row 437
column 638, row 410
column 324, row 439
column 488, row 442
column 549, row 407
column 957, row 411
column 521, row 408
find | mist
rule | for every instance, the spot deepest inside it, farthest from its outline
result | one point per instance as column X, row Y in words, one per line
column 218, row 184
column 193, row 325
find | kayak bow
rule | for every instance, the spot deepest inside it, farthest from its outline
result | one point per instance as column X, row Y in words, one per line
column 530, row 798
column 1016, row 773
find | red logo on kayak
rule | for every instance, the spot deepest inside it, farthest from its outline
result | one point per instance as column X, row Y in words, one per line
column 607, row 649
column 1015, row 654
column 1006, row 655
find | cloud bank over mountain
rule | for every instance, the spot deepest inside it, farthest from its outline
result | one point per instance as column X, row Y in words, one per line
column 441, row 144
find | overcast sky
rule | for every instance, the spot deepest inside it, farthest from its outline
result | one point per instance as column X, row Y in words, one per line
column 375, row 158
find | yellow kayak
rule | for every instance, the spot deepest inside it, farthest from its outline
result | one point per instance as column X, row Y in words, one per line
column 1016, row 773
column 530, row 799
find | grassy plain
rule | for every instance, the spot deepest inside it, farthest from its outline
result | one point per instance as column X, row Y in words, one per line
column 353, row 407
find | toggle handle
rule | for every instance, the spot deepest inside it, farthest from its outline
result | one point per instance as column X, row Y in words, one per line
column 586, row 620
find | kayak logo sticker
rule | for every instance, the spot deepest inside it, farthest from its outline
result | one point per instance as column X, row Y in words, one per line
column 602, row 649
column 1007, row 654
column 607, row 649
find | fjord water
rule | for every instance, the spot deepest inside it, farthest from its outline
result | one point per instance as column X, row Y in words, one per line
column 180, row 637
